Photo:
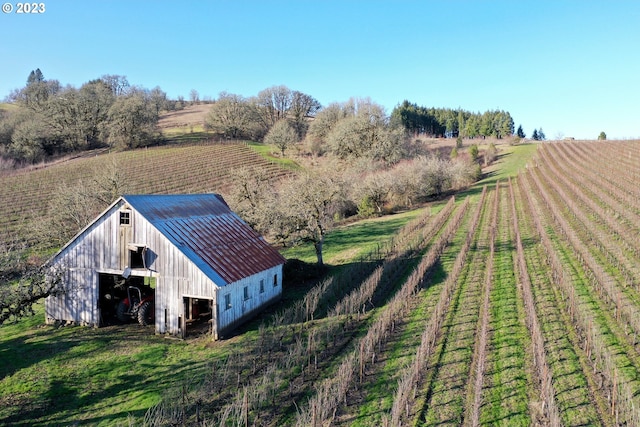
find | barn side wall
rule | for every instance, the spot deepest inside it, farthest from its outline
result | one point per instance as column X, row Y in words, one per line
column 242, row 308
column 176, row 280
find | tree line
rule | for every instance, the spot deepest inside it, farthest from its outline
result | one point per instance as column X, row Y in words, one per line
column 234, row 116
column 53, row 119
column 441, row 122
column 109, row 111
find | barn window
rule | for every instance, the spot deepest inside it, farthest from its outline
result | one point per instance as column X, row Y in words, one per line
column 227, row 302
column 275, row 280
column 136, row 256
column 246, row 293
column 125, row 217
column 261, row 286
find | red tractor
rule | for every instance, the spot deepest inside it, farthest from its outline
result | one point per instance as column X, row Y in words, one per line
column 137, row 307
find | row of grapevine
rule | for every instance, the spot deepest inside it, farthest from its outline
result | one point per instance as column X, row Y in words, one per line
column 414, row 374
column 24, row 195
column 297, row 346
column 600, row 278
column 332, row 392
column 543, row 373
column 576, row 393
column 598, row 335
column 478, row 365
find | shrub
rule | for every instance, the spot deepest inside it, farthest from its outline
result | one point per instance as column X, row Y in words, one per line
column 473, row 152
column 366, row 207
column 490, row 154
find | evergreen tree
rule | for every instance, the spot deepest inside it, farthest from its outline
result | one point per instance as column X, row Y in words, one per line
column 35, row 76
column 541, row 135
column 535, row 135
column 520, row 132
column 504, row 126
column 602, row 136
column 474, row 152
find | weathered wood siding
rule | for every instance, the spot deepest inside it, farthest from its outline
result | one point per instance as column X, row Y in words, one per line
column 92, row 251
column 242, row 308
column 98, row 249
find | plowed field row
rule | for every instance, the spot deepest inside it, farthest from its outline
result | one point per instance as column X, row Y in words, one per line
column 539, row 325
column 204, row 168
column 561, row 341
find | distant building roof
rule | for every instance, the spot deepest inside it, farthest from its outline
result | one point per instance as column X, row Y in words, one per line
column 209, row 233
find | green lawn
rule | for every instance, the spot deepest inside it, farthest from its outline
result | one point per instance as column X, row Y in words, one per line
column 511, row 159
column 8, row 107
column 266, row 151
column 91, row 376
column 348, row 242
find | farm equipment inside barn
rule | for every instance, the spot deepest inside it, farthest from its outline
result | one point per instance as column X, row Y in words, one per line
column 125, row 299
column 137, row 306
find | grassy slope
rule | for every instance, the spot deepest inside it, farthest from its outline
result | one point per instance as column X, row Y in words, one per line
column 102, row 376
column 266, row 151
column 8, row 107
column 97, row 376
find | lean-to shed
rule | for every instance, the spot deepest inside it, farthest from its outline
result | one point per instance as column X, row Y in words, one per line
column 190, row 256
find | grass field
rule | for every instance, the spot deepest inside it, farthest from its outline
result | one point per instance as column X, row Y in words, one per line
column 113, row 375
column 7, row 107
column 89, row 376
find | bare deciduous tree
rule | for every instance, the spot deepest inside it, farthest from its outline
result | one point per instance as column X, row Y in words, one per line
column 253, row 197
column 272, row 104
column 74, row 205
column 303, row 107
column 306, row 209
column 282, row 136
column 119, row 84
column 194, row 96
column 23, row 284
column 373, row 191
column 132, row 121
column 300, row 209
column 232, row 116
column 326, row 120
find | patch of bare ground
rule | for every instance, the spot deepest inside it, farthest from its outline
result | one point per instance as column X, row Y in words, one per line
column 193, row 115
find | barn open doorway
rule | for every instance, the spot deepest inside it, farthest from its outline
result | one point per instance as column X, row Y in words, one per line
column 198, row 315
column 113, row 289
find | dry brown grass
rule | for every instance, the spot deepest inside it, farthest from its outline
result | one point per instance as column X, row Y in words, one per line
column 192, row 115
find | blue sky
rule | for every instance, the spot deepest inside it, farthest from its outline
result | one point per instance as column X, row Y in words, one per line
column 569, row 67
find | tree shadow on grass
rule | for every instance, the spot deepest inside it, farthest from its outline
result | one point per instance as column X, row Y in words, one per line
column 87, row 375
column 17, row 353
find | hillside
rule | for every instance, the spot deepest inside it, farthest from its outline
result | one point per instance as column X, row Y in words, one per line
column 517, row 305
column 190, row 168
column 186, row 120
column 114, row 375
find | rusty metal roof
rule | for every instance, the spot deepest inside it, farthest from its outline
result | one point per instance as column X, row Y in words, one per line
column 209, row 233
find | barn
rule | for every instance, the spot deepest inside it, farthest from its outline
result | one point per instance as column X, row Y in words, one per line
column 181, row 262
